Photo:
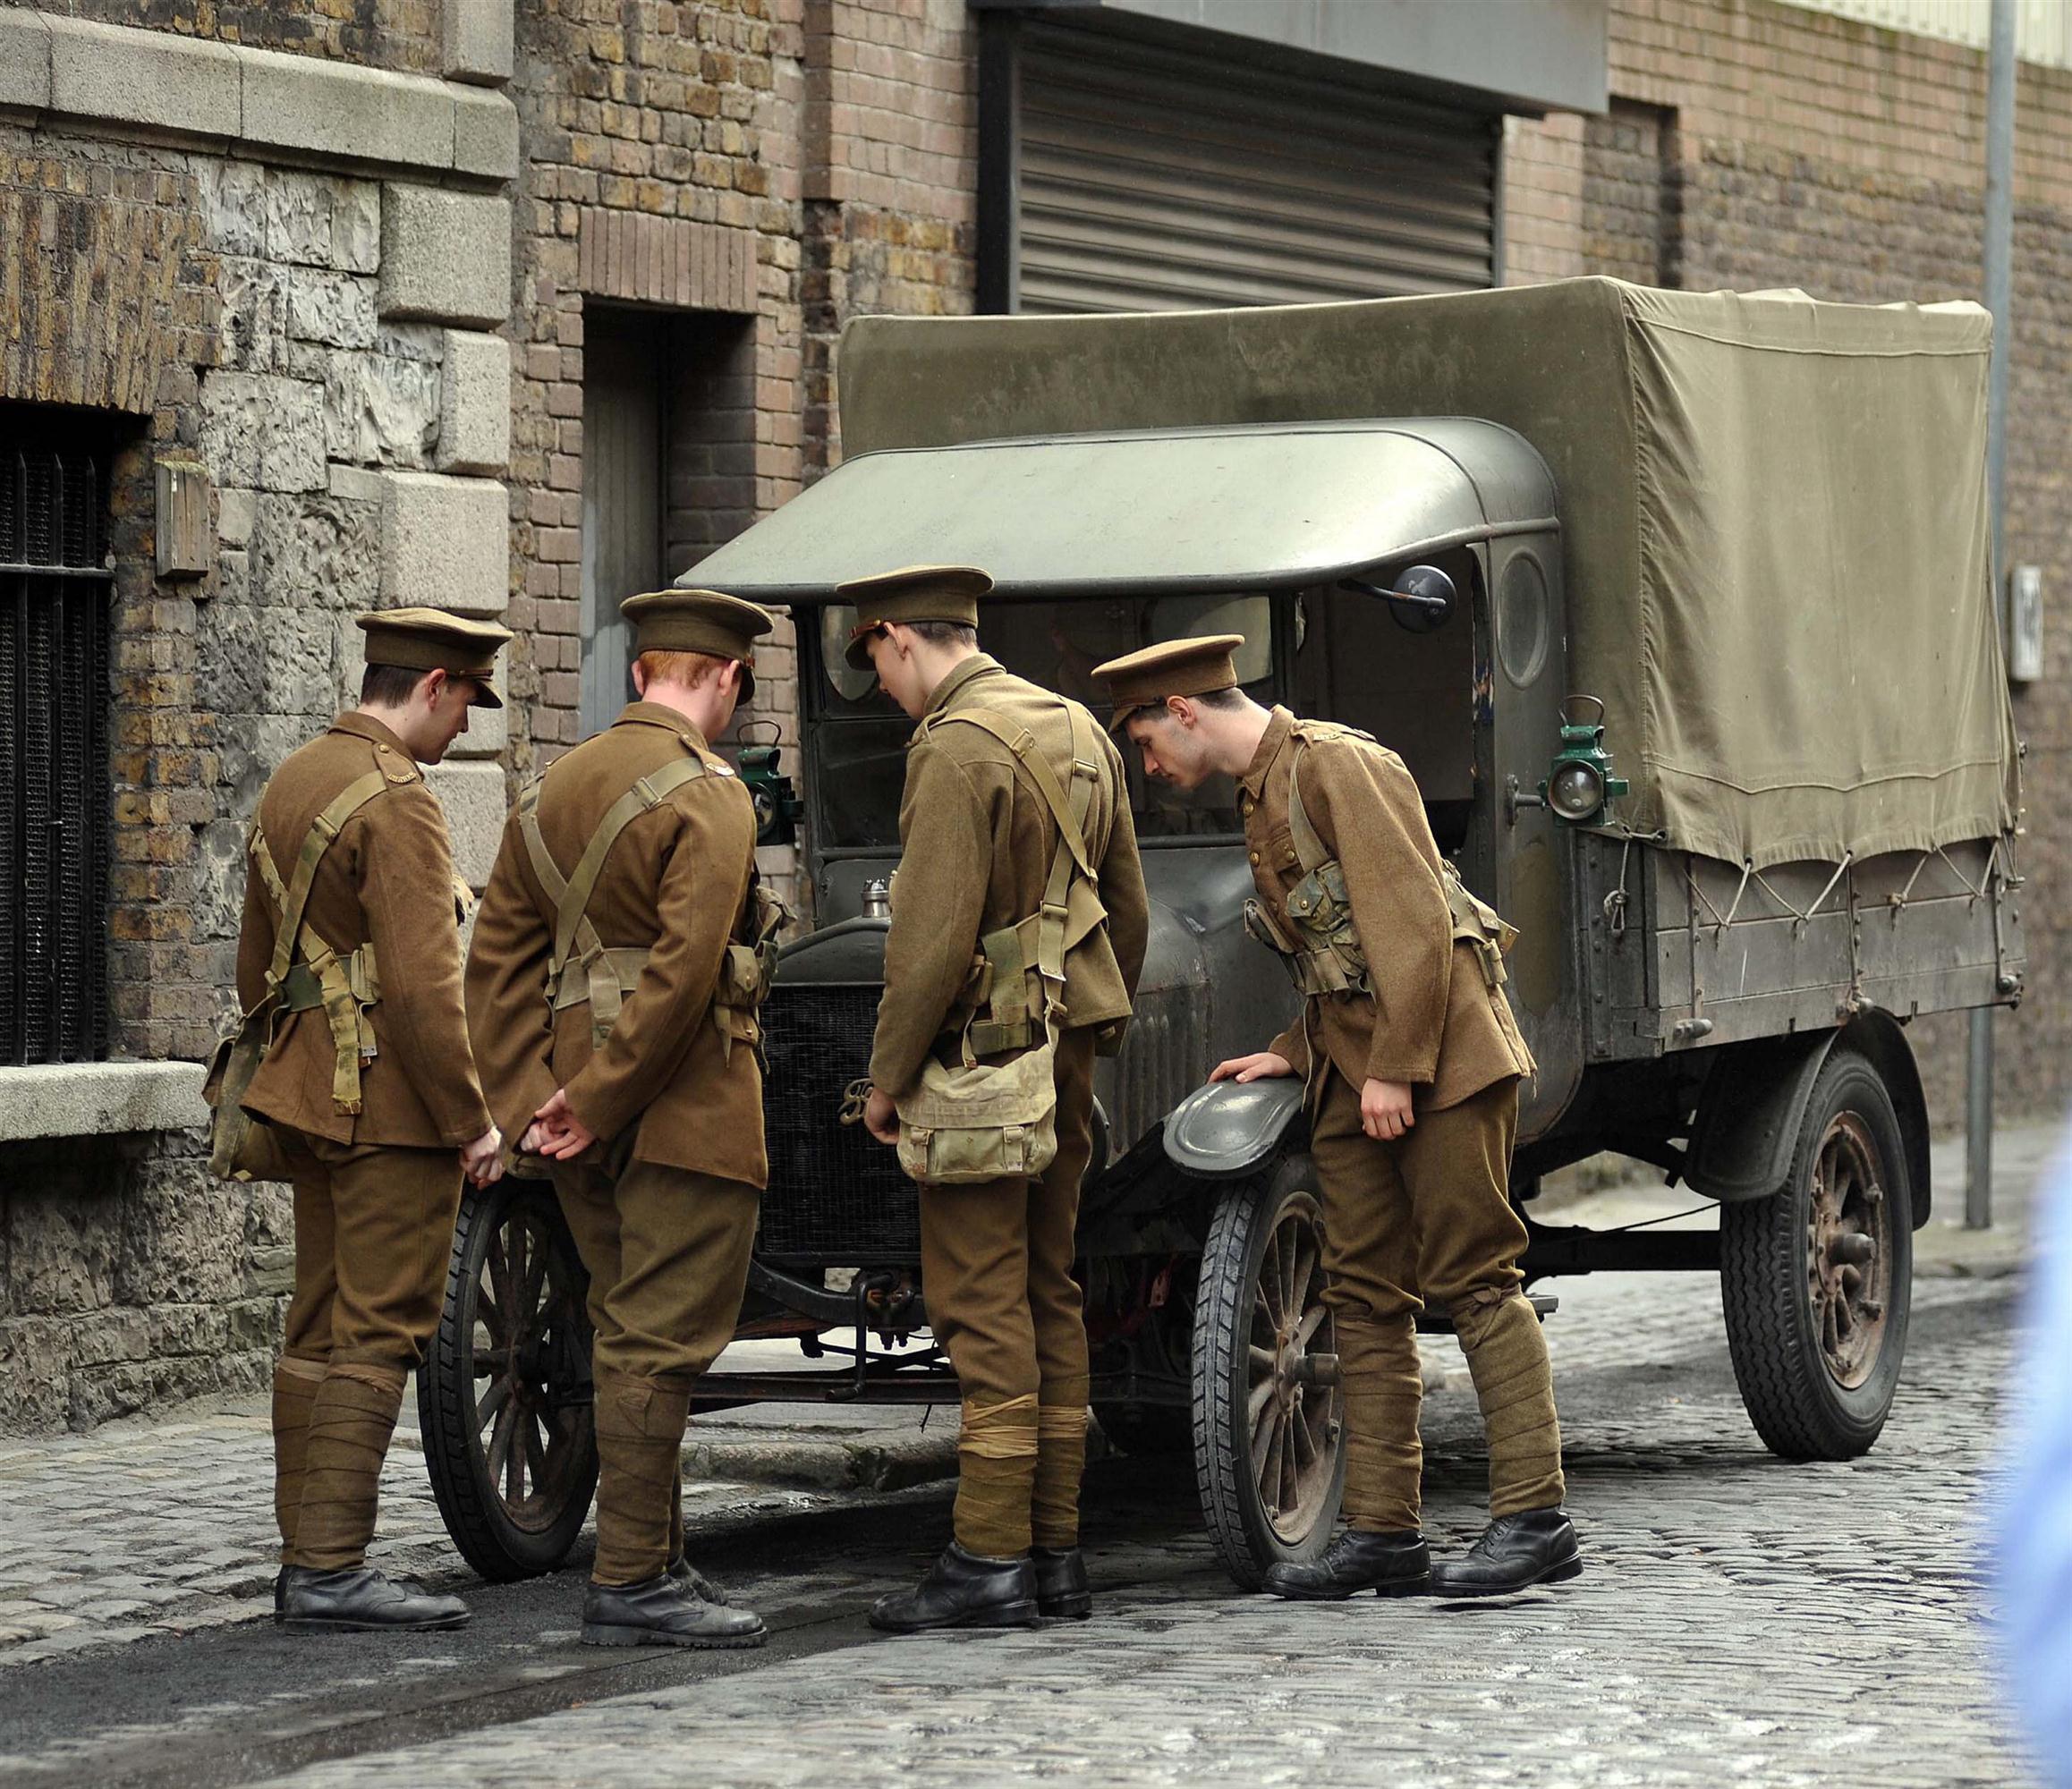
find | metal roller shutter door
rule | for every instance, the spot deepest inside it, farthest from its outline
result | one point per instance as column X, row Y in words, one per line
column 1157, row 178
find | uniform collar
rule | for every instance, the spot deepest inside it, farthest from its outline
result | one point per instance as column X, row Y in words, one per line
column 660, row 714
column 1278, row 726
column 365, row 726
column 951, row 686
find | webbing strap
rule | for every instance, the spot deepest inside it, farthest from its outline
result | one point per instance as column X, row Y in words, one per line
column 1308, row 847
column 1022, row 744
column 1475, row 921
column 1008, row 1023
column 351, row 1037
column 574, row 934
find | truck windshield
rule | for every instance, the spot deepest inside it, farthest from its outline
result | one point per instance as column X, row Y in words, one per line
column 857, row 739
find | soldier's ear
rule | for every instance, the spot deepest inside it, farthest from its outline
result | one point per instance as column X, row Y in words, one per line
column 434, row 686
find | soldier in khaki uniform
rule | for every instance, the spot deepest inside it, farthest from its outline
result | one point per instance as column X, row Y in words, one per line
column 369, row 1089
column 991, row 764
column 1413, row 1061
column 620, row 957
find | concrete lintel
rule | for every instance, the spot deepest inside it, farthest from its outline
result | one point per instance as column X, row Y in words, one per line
column 149, row 78
column 327, row 108
column 173, row 86
column 484, row 134
column 100, row 1099
column 24, row 60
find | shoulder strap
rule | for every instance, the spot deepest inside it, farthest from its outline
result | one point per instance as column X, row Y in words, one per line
column 1069, row 813
column 289, row 901
column 574, row 934
column 1308, row 846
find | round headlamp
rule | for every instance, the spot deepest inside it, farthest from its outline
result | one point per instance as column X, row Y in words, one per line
column 1576, row 791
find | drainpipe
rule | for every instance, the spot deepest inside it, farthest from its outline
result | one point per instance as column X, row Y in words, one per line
column 1999, row 234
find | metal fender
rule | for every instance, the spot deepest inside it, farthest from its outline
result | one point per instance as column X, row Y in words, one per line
column 1755, row 1099
column 1229, row 1128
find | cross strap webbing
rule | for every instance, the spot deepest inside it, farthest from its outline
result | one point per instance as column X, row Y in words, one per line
column 1009, row 1024
column 607, row 976
column 346, row 984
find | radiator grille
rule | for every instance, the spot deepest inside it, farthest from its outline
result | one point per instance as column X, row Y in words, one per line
column 837, row 1197
column 54, row 751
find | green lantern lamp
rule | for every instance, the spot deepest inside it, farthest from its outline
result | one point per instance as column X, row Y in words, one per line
column 1580, row 785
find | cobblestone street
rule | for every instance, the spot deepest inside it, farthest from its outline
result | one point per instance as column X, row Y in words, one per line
column 1740, row 1620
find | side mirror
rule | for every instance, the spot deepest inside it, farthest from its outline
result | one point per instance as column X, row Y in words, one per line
column 1422, row 602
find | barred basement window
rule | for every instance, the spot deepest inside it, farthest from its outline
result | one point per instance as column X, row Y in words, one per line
column 54, row 741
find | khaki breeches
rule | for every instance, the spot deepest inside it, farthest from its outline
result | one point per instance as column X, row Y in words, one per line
column 666, row 1251
column 997, row 1276
column 374, row 1230
column 1427, row 1219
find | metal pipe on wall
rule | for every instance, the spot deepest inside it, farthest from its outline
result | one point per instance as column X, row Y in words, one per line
column 1999, row 234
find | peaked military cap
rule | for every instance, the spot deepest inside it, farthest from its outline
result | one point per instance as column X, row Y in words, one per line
column 699, row 621
column 431, row 640
column 913, row 593
column 1173, row 667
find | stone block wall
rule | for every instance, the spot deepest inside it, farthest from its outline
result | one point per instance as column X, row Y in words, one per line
column 302, row 332
column 1790, row 147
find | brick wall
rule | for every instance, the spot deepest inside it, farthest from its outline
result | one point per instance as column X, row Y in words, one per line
column 766, row 172
column 1793, row 147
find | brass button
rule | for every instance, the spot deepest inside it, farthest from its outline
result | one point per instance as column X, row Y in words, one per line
column 1255, row 857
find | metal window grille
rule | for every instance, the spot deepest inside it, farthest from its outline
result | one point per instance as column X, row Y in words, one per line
column 54, row 746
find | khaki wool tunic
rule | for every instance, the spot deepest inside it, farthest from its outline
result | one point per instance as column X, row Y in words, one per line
column 676, row 880
column 976, row 843
column 1433, row 1023
column 387, row 879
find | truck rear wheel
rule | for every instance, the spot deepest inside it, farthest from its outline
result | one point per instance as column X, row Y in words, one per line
column 503, row 1396
column 1268, row 1426
column 1817, row 1279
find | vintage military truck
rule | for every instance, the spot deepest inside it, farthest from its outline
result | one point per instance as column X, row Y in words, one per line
column 1750, row 530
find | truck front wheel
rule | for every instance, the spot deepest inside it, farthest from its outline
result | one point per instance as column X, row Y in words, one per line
column 503, row 1395
column 1816, row 1279
column 1268, row 1424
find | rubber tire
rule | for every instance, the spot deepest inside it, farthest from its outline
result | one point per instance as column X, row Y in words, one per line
column 1238, row 1232
column 1797, row 1409
column 474, row 1515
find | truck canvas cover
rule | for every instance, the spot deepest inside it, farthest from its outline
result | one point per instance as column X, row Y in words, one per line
column 1773, row 514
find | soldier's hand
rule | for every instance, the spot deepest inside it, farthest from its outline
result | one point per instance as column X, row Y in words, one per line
column 881, row 1116
column 1385, row 1112
column 483, row 1160
column 1261, row 1066
column 562, row 1136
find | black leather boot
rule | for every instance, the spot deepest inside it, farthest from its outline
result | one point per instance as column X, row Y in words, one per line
column 688, row 1575
column 961, row 1589
column 280, row 1595
column 664, row 1611
column 1389, row 1565
column 1062, row 1591
column 358, row 1600
column 1515, row 1552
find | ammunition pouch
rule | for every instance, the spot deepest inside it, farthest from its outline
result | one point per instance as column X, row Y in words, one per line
column 972, row 1122
column 1321, row 945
